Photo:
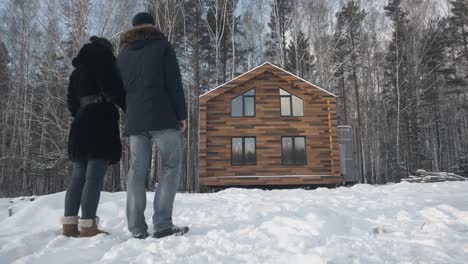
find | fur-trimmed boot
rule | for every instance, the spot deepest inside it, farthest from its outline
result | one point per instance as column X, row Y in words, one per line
column 70, row 226
column 89, row 227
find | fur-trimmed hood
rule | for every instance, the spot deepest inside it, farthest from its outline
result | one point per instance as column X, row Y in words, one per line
column 144, row 32
column 87, row 55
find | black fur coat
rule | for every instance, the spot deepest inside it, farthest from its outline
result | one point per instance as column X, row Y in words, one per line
column 94, row 133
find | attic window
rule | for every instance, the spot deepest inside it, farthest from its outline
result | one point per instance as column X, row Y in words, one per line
column 291, row 105
column 243, row 105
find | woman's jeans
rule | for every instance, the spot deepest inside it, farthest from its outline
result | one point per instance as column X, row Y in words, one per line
column 85, row 188
column 169, row 146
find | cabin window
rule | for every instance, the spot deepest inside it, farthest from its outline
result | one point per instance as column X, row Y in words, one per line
column 243, row 151
column 293, row 150
column 244, row 105
column 291, row 105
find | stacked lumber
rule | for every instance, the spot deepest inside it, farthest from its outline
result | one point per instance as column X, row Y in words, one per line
column 431, row 176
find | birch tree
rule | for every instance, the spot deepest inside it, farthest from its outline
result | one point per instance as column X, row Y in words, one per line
column 215, row 19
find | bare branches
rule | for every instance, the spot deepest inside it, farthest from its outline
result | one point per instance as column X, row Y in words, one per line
column 215, row 23
column 417, row 119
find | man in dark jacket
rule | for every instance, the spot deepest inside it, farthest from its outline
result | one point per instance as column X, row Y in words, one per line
column 156, row 113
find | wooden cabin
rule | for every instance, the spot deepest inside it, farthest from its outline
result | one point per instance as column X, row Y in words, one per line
column 268, row 127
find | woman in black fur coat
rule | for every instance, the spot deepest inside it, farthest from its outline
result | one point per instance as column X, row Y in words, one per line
column 94, row 142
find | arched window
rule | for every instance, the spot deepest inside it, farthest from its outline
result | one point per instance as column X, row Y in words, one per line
column 291, row 105
column 244, row 105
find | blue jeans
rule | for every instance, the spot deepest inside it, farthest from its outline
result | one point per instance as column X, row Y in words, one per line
column 85, row 188
column 169, row 146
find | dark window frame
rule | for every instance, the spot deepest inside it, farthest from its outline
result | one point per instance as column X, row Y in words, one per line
column 244, row 96
column 294, row 154
column 243, row 152
column 290, row 97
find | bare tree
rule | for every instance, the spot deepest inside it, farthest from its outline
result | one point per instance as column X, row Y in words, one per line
column 215, row 20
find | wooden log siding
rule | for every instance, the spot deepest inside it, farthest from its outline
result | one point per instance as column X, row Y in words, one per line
column 318, row 126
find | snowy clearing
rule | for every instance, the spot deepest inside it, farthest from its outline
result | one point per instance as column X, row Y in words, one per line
column 399, row 223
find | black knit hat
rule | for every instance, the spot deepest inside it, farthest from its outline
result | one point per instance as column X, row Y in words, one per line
column 143, row 18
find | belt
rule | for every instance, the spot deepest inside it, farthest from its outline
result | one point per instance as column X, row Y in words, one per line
column 92, row 99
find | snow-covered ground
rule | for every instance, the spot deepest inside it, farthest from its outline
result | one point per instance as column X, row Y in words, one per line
column 16, row 204
column 4, row 203
column 399, row 223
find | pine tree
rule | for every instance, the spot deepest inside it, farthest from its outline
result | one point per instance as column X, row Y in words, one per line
column 215, row 19
column 280, row 20
column 242, row 51
column 396, row 72
column 4, row 72
column 229, row 43
column 459, row 22
column 339, row 60
column 347, row 62
column 299, row 60
column 197, row 46
column 4, row 90
column 434, row 69
column 347, row 39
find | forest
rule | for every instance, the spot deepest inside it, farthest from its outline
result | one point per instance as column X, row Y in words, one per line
column 398, row 67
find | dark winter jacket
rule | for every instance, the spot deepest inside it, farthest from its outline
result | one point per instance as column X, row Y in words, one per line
column 94, row 133
column 152, row 81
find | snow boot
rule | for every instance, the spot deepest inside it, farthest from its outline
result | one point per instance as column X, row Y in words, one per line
column 70, row 226
column 174, row 230
column 141, row 235
column 89, row 227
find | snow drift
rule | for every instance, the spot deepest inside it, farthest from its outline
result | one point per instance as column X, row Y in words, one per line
column 398, row 223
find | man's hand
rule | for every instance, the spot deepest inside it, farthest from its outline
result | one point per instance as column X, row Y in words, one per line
column 182, row 126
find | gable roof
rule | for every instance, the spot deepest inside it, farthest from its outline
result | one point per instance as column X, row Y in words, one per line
column 267, row 66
